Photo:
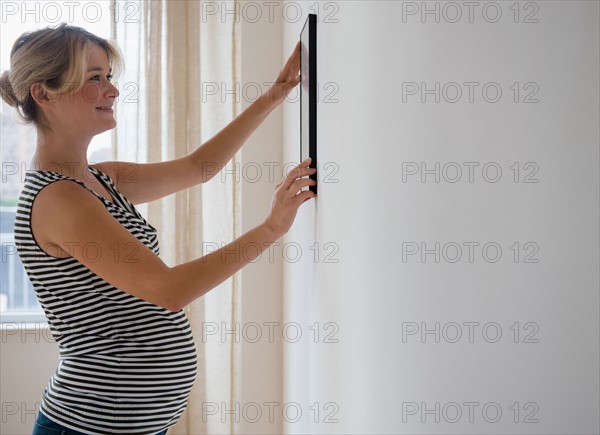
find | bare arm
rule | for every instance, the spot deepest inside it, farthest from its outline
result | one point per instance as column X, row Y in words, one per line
column 68, row 218
column 145, row 182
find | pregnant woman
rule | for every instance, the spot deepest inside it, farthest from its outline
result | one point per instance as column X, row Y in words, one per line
column 127, row 358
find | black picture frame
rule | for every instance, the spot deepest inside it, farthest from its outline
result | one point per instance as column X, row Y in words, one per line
column 308, row 93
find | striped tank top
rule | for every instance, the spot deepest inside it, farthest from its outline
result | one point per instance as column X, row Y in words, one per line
column 126, row 365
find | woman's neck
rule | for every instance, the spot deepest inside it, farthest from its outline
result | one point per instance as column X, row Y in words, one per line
column 63, row 155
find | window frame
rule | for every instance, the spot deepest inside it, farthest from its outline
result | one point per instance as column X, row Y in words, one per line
column 36, row 19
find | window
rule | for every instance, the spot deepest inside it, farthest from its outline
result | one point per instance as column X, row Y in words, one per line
column 18, row 302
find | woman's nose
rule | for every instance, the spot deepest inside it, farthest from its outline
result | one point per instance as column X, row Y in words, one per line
column 112, row 91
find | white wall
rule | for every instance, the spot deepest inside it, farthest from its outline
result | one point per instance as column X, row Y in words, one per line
column 259, row 372
column 371, row 294
column 26, row 349
column 259, row 369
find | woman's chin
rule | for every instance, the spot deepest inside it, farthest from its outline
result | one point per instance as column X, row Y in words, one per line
column 109, row 126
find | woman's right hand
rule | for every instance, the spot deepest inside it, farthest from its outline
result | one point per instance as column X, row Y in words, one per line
column 288, row 197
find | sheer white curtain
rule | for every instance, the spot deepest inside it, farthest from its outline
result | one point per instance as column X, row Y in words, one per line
column 173, row 54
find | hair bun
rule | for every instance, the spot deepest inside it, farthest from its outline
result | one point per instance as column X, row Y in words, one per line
column 6, row 90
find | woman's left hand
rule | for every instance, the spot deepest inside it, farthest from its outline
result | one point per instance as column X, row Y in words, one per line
column 288, row 79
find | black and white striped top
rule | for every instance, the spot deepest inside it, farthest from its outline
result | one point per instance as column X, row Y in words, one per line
column 126, row 365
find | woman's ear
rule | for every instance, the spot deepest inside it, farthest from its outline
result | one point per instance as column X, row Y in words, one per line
column 40, row 95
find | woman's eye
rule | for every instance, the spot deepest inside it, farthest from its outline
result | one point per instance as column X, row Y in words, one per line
column 97, row 77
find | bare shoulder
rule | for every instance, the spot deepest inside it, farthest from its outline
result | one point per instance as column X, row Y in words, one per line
column 59, row 209
column 67, row 219
column 65, row 195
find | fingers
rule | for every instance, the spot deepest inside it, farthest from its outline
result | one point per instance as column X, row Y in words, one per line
column 301, row 167
column 292, row 66
column 293, row 63
column 289, row 76
column 295, row 56
column 299, row 171
column 296, row 180
column 304, row 196
column 302, row 182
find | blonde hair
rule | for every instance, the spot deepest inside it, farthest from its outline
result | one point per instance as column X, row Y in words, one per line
column 43, row 56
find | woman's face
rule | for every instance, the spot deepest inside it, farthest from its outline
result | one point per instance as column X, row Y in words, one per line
column 89, row 110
